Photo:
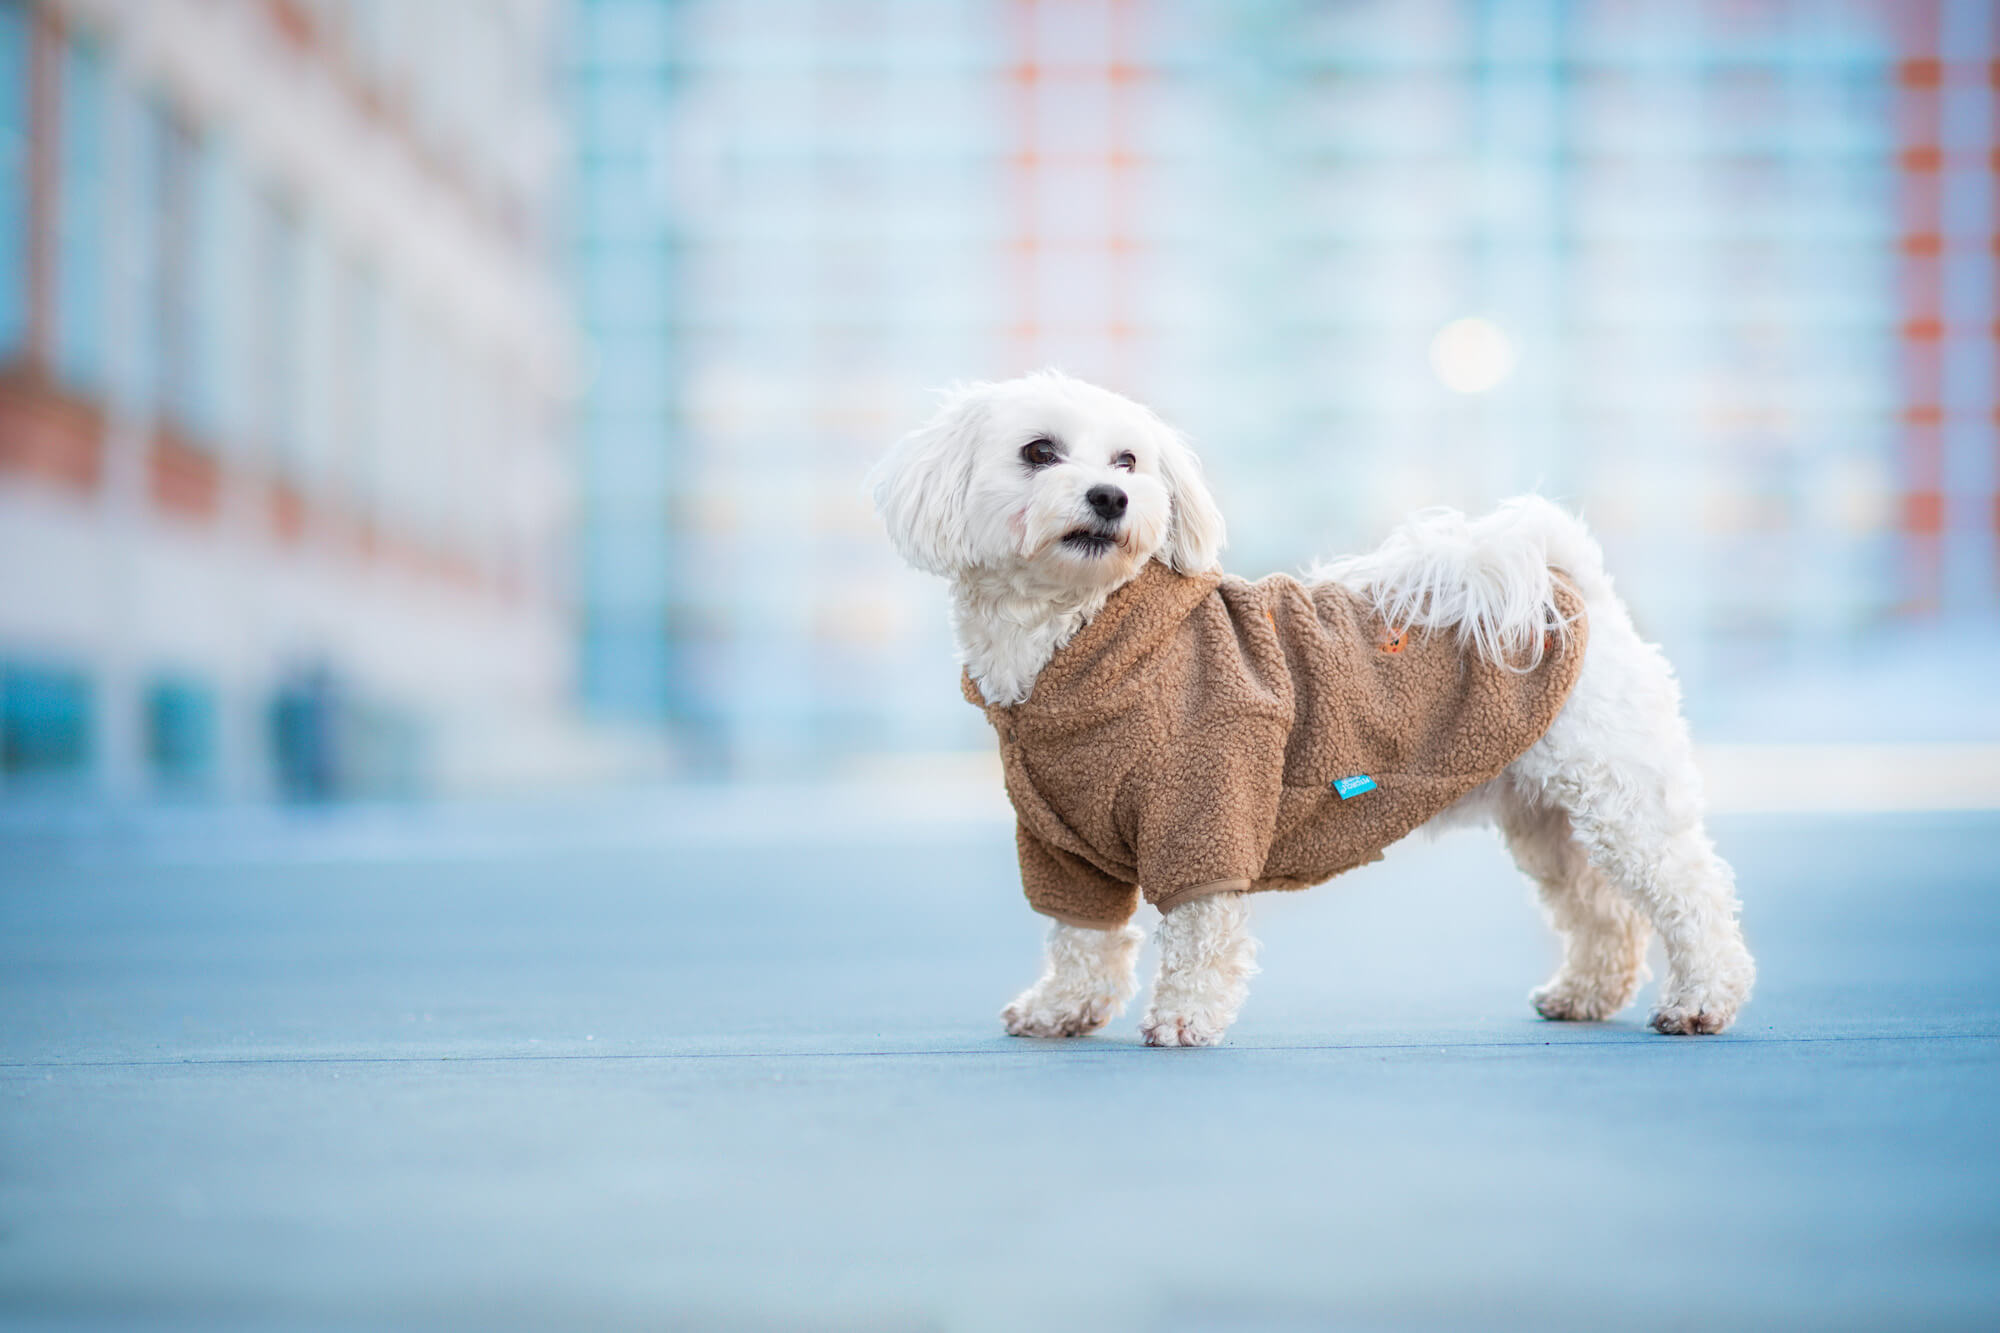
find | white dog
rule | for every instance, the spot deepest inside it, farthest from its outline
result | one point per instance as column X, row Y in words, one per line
column 1039, row 497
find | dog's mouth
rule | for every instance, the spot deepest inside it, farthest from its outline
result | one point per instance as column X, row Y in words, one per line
column 1089, row 541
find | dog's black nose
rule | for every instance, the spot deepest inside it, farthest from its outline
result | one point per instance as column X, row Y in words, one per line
column 1108, row 501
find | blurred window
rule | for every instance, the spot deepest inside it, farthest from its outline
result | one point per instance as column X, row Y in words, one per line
column 392, row 448
column 178, row 255
column 149, row 209
column 229, row 299
column 277, row 332
column 366, row 36
column 45, row 721
column 80, row 249
column 360, row 399
column 209, row 285
column 181, row 732
column 305, row 721
column 15, row 182
column 446, row 483
column 427, row 446
column 319, row 352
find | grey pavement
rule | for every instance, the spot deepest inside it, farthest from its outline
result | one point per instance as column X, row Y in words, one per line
column 642, row 1066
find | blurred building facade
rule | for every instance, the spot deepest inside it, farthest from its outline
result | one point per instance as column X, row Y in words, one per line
column 782, row 236
column 1721, row 274
column 283, row 493
column 1740, row 258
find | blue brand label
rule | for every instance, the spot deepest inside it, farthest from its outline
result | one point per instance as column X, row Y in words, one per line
column 1354, row 786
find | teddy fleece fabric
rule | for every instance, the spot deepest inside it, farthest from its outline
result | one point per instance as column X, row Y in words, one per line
column 1189, row 739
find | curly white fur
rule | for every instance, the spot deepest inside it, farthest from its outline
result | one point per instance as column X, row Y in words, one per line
column 1604, row 812
column 1488, row 580
column 1207, row 957
column 1087, row 978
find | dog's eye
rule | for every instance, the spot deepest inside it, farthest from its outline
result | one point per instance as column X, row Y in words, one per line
column 1125, row 461
column 1040, row 453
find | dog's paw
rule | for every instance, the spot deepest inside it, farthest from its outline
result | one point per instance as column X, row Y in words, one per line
column 1688, row 1020
column 1180, row 1030
column 1706, row 1001
column 1567, row 1002
column 1033, row 1015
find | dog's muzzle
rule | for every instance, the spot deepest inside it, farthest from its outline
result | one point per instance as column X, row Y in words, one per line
column 1108, row 503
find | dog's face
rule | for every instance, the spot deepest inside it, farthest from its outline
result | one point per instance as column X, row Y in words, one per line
column 1049, row 475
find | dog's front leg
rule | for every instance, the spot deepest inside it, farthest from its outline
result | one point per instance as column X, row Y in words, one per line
column 1087, row 976
column 1207, row 958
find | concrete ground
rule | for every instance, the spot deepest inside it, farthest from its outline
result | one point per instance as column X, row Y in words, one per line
column 643, row 1068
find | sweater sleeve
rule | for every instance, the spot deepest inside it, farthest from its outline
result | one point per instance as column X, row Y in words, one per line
column 1070, row 889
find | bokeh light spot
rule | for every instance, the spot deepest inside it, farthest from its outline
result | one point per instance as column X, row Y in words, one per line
column 1471, row 355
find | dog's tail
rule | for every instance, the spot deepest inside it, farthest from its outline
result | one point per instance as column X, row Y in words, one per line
column 1491, row 579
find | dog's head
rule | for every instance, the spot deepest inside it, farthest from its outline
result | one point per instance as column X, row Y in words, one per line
column 1051, row 475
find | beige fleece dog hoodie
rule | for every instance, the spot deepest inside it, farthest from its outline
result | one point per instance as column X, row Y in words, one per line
column 1204, row 734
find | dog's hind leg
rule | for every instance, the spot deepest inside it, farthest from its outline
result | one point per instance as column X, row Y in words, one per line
column 1604, row 932
column 1671, row 868
column 1618, row 765
column 1636, row 815
column 1087, row 977
column 1207, row 957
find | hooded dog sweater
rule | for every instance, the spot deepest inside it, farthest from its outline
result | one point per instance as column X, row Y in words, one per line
column 1204, row 734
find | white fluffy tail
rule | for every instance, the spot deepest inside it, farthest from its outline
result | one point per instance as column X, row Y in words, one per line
column 1488, row 578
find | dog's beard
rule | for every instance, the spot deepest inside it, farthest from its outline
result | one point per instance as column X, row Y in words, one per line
column 1093, row 541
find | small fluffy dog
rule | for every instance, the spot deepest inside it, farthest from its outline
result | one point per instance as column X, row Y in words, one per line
column 1041, row 498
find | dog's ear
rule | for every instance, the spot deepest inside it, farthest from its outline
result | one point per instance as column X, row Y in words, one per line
column 923, row 488
column 1196, row 533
